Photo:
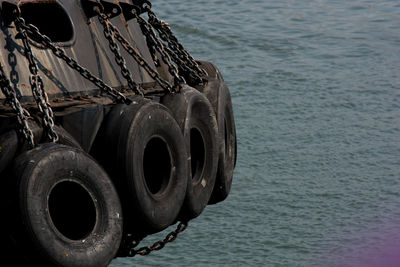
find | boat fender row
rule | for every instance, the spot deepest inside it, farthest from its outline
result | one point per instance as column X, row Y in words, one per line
column 163, row 158
column 162, row 162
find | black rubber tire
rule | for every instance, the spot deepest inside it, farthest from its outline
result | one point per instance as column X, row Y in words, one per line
column 219, row 96
column 68, row 210
column 10, row 146
column 141, row 146
column 9, row 252
column 40, row 137
column 64, row 137
column 198, row 123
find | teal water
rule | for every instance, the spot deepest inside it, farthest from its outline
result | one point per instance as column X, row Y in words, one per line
column 316, row 94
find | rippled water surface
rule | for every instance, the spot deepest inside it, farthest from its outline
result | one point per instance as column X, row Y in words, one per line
column 316, row 94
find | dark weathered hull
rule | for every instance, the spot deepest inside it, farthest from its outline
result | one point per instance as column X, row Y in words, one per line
column 88, row 46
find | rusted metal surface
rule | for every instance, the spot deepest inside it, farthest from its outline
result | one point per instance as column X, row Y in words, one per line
column 88, row 46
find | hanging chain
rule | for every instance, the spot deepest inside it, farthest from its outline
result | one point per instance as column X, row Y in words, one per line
column 71, row 62
column 180, row 63
column 153, row 40
column 103, row 19
column 130, row 244
column 22, row 114
column 36, row 82
column 129, row 248
column 181, row 55
column 141, row 61
column 174, row 50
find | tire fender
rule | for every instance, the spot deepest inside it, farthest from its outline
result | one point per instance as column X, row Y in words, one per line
column 142, row 148
column 198, row 123
column 219, row 96
column 68, row 208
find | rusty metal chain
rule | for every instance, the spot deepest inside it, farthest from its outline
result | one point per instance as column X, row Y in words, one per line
column 181, row 55
column 153, row 40
column 185, row 69
column 153, row 52
column 108, row 33
column 71, row 62
column 22, row 114
column 129, row 248
column 141, row 61
column 36, row 82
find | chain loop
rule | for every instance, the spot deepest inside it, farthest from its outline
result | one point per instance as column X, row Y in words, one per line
column 22, row 114
column 140, row 60
column 36, row 82
column 103, row 19
column 174, row 51
column 153, row 41
column 129, row 248
column 177, row 51
column 72, row 63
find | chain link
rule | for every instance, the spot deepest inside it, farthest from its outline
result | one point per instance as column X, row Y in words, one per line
column 154, row 41
column 103, row 19
column 174, row 50
column 129, row 250
column 22, row 114
column 129, row 246
column 140, row 60
column 182, row 57
column 71, row 62
column 36, row 82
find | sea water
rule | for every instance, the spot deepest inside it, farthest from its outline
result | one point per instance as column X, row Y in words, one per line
column 316, row 94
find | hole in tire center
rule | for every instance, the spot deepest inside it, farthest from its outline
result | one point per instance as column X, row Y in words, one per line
column 157, row 165
column 197, row 154
column 72, row 210
column 50, row 18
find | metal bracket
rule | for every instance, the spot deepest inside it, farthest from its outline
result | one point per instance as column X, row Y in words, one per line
column 108, row 8
column 138, row 7
column 128, row 10
column 143, row 5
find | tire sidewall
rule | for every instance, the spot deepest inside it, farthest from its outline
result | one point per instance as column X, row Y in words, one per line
column 219, row 96
column 157, row 211
column 192, row 110
column 37, row 180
